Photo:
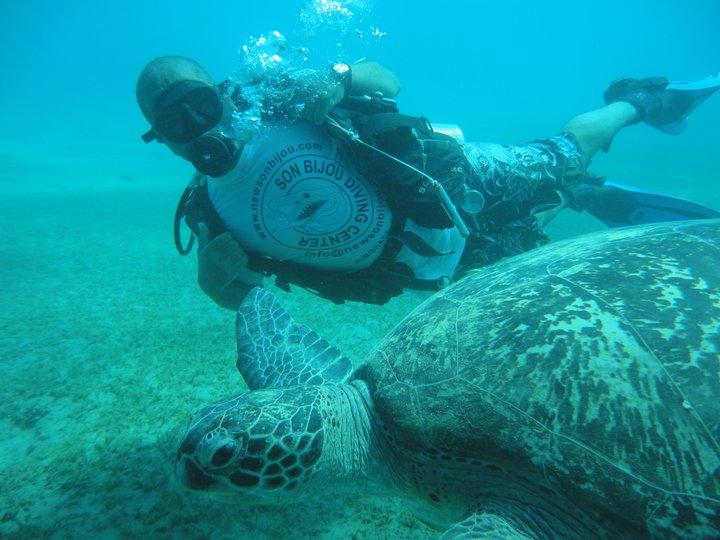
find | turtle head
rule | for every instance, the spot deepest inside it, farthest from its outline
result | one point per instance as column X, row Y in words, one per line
column 263, row 446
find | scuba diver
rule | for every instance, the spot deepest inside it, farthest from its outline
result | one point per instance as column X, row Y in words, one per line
column 339, row 193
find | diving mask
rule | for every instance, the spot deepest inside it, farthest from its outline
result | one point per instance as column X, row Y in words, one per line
column 191, row 113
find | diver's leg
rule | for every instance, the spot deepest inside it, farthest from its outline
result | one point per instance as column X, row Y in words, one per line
column 595, row 130
column 653, row 100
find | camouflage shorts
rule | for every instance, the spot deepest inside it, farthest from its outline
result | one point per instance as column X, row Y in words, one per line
column 516, row 183
column 517, row 173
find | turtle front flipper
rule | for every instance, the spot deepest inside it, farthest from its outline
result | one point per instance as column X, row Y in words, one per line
column 274, row 351
column 487, row 526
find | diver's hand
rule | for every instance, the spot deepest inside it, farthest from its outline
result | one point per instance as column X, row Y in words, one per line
column 318, row 92
column 222, row 269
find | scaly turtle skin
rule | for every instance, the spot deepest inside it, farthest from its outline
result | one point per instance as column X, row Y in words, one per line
column 573, row 391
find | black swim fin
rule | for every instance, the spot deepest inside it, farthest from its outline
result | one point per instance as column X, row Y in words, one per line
column 663, row 104
column 618, row 205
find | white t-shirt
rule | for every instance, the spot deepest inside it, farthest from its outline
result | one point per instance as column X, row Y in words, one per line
column 292, row 197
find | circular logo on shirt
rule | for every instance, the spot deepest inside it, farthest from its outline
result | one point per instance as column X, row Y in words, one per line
column 312, row 207
column 315, row 209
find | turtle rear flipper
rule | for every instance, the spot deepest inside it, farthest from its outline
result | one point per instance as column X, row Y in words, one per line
column 274, row 351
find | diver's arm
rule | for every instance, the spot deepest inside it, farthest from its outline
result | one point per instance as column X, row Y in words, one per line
column 320, row 94
column 228, row 297
column 370, row 77
column 223, row 274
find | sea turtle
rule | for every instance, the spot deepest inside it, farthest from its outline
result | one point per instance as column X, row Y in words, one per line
column 571, row 392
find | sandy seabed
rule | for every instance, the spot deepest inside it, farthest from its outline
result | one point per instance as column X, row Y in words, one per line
column 107, row 347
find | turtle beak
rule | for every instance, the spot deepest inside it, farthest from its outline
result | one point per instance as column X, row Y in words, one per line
column 191, row 476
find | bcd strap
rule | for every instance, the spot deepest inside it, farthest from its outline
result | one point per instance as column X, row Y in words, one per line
column 412, row 140
column 370, row 285
column 383, row 123
column 422, row 153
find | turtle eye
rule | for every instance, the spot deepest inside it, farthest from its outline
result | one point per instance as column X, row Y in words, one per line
column 224, row 454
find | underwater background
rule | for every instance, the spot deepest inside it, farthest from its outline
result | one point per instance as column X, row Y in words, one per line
column 108, row 345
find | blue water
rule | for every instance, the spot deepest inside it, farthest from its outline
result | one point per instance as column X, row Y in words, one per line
column 107, row 344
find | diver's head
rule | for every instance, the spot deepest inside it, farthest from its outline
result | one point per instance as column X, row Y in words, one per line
column 261, row 447
column 188, row 113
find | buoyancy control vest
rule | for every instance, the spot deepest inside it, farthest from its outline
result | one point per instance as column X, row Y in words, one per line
column 293, row 198
column 311, row 219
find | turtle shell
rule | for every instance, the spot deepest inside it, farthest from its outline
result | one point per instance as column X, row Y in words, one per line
column 588, row 369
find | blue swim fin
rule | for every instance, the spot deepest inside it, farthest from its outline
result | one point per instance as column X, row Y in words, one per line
column 663, row 104
column 683, row 98
column 618, row 205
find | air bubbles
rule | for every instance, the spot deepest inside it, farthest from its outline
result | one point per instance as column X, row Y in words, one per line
column 262, row 53
column 279, row 38
column 326, row 12
column 377, row 33
column 270, row 73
